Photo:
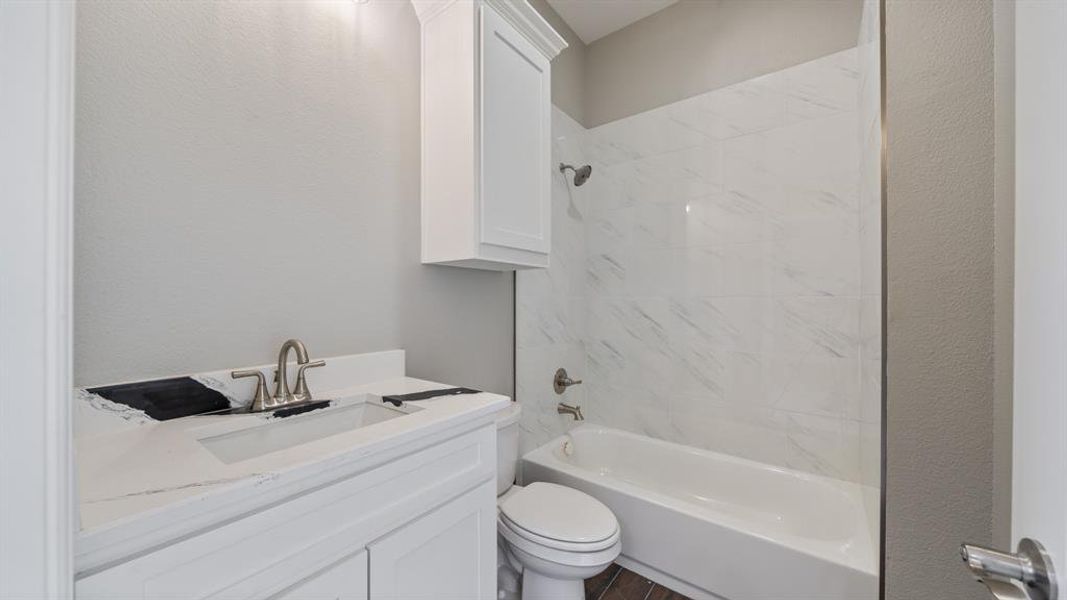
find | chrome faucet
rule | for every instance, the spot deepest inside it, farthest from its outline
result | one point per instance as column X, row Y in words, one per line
column 560, row 382
column 282, row 394
column 262, row 400
column 301, row 393
column 567, row 409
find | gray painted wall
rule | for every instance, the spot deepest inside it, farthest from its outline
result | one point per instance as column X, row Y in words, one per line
column 696, row 46
column 568, row 68
column 248, row 172
column 940, row 293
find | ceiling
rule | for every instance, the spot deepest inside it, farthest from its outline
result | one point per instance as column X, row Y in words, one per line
column 593, row 19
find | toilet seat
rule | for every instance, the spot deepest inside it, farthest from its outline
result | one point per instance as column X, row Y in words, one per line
column 520, row 546
column 558, row 524
column 547, row 542
column 559, row 513
column 560, row 552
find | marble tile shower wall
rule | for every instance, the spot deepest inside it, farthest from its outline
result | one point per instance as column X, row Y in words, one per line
column 870, row 202
column 708, row 283
column 551, row 303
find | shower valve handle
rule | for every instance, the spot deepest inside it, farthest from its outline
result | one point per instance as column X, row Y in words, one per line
column 561, row 381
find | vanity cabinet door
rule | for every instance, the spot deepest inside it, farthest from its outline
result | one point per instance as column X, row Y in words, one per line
column 447, row 553
column 346, row 580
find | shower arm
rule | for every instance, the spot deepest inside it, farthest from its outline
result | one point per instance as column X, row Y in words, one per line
column 581, row 174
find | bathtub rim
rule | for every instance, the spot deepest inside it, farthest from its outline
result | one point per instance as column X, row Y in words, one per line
column 544, row 456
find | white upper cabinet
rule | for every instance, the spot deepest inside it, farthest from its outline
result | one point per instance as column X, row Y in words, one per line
column 486, row 133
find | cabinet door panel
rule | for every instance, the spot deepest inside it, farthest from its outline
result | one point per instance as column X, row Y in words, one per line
column 516, row 138
column 346, row 580
column 449, row 553
column 274, row 549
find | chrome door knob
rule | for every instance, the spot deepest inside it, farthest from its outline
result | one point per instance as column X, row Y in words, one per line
column 1029, row 569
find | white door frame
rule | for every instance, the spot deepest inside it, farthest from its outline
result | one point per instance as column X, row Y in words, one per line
column 36, row 146
column 1039, row 470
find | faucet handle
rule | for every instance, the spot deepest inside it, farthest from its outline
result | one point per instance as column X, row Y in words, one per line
column 261, row 400
column 561, row 381
column 302, row 393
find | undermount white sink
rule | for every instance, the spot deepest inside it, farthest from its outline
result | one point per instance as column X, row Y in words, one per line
column 279, row 433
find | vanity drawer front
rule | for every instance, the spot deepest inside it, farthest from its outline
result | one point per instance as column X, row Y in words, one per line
column 266, row 552
column 346, row 580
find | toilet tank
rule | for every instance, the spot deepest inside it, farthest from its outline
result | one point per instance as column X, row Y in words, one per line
column 507, row 446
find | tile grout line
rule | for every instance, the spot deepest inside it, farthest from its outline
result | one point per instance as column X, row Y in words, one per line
column 610, row 583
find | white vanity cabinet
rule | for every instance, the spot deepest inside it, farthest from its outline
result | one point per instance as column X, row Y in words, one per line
column 445, row 554
column 486, row 133
column 345, row 580
column 409, row 522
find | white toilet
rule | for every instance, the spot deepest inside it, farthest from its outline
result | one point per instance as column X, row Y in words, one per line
column 553, row 536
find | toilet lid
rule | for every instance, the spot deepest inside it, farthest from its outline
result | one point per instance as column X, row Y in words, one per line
column 560, row 513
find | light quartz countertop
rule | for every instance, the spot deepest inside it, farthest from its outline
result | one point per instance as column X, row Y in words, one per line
column 143, row 486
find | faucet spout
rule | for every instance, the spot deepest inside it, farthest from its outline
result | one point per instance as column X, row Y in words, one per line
column 573, row 411
column 282, row 393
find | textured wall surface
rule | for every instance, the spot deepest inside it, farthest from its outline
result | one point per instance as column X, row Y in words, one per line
column 696, row 46
column 940, row 270
column 710, row 283
column 568, row 68
column 249, row 172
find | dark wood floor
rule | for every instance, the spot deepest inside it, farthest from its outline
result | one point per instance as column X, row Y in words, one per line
column 617, row 583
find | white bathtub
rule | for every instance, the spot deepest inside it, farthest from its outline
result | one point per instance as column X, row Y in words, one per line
column 715, row 526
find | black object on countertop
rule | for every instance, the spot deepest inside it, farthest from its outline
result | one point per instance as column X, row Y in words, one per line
column 285, row 411
column 398, row 399
column 303, row 407
column 164, row 399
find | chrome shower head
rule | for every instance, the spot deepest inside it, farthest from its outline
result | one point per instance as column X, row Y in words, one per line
column 581, row 174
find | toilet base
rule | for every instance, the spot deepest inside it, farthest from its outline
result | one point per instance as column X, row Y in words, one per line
column 551, row 569
column 536, row 586
column 543, row 579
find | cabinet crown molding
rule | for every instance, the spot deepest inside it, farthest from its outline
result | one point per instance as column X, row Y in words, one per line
column 518, row 13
